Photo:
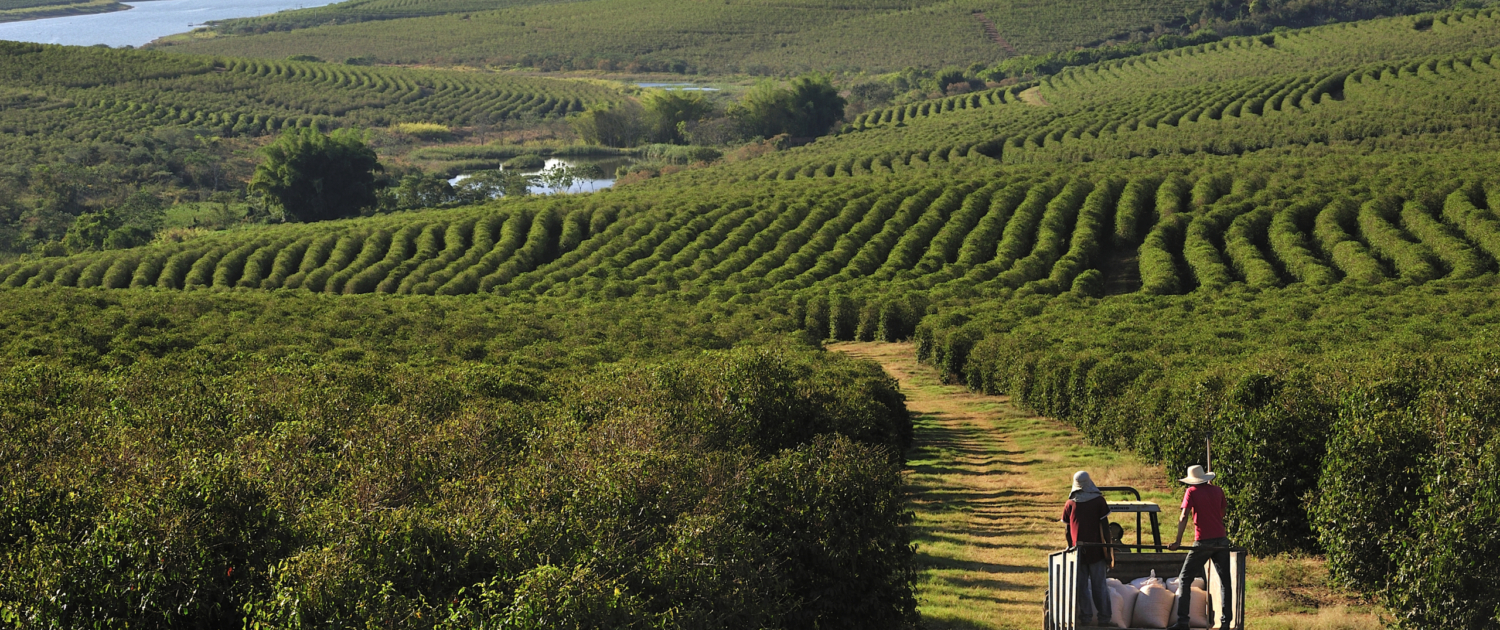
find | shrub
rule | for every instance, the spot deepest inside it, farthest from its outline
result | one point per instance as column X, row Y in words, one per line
column 425, row 131
column 1412, row 261
column 311, row 176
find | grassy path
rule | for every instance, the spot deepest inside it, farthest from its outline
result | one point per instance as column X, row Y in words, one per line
column 1033, row 96
column 987, row 483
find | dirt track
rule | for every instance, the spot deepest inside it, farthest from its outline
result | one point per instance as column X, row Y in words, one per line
column 992, row 33
column 987, row 483
column 1033, row 97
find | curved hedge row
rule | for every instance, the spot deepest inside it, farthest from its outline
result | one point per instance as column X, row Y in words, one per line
column 1036, row 231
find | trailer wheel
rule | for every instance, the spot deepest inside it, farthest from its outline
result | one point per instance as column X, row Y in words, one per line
column 1047, row 612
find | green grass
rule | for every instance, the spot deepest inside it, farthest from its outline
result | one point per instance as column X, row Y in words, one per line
column 742, row 36
column 16, row 10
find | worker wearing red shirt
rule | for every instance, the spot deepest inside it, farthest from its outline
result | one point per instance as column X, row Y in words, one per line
column 1207, row 504
column 1085, row 514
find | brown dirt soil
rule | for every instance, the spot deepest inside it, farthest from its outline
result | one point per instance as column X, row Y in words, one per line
column 992, row 33
column 1033, row 96
column 987, row 483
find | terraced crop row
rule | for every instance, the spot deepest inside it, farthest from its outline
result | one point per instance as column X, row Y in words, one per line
column 119, row 90
column 1030, row 231
column 1340, row 45
column 974, row 100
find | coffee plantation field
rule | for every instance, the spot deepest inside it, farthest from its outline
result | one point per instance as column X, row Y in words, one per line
column 612, row 409
column 110, row 96
column 753, row 37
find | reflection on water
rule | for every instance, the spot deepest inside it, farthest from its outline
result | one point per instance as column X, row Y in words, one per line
column 607, row 165
column 686, row 87
column 143, row 22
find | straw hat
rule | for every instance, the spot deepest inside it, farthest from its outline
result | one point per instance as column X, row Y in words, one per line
column 1196, row 476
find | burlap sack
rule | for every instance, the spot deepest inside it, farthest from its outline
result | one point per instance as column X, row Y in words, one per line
column 1121, row 602
column 1153, row 607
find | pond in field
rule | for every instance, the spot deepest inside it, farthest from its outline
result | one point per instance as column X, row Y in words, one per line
column 605, row 165
column 143, row 22
column 686, row 87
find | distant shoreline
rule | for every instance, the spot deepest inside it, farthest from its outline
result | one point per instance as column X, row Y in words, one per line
column 81, row 8
column 95, row 22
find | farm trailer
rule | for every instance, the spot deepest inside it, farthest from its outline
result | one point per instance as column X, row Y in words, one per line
column 1137, row 561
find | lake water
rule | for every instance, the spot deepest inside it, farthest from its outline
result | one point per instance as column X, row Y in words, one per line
column 143, row 22
column 686, row 87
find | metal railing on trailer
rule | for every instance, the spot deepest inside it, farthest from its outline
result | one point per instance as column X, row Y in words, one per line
column 1062, row 569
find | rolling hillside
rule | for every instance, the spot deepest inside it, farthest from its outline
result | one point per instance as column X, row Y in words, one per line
column 776, row 37
column 110, row 94
column 1286, row 244
column 1255, row 179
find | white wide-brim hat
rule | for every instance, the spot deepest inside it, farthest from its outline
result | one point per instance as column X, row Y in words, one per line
column 1196, row 475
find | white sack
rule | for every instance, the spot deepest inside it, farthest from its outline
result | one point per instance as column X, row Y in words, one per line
column 1122, row 603
column 1173, row 583
column 1198, row 611
column 1140, row 583
column 1152, row 607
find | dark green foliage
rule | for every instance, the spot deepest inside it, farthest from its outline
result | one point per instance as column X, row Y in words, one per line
column 667, row 112
column 1290, row 243
column 846, row 585
column 1370, row 482
column 1135, row 210
column 843, row 318
column 1159, row 267
column 1460, row 260
column 1245, row 253
column 806, row 108
column 314, row 176
column 817, row 319
column 1412, row 260
column 1090, row 283
column 1349, row 255
column 1426, row 486
column 764, row 482
column 1274, row 433
column 982, row 225
column 616, row 125
column 1458, row 498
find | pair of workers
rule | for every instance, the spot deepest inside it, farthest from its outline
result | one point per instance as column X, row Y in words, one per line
column 1086, row 514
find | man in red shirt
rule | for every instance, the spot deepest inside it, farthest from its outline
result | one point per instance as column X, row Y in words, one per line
column 1085, row 513
column 1207, row 504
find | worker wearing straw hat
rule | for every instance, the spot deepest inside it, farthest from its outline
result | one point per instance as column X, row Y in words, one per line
column 1085, row 514
column 1206, row 503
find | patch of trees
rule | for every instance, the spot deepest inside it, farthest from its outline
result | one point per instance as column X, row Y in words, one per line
column 312, row 176
column 807, row 107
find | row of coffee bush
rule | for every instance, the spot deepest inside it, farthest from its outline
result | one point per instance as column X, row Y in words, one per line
column 1359, row 422
column 275, row 460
